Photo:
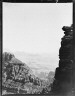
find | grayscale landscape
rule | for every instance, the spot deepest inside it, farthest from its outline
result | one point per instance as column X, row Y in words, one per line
column 32, row 46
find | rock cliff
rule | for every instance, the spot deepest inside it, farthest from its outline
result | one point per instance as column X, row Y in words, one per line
column 17, row 77
column 63, row 74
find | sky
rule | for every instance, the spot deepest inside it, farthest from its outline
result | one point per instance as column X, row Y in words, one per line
column 35, row 27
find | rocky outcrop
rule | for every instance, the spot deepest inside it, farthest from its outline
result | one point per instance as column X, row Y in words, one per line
column 63, row 74
column 17, row 77
column 13, row 67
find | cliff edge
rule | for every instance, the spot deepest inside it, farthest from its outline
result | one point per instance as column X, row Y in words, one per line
column 63, row 74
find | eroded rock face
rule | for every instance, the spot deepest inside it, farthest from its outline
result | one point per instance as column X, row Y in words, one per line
column 18, row 78
column 16, row 75
column 13, row 68
column 63, row 75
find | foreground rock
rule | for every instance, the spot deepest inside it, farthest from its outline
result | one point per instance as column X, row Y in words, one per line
column 63, row 75
column 17, row 77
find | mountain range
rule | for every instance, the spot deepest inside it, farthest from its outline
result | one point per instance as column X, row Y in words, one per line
column 38, row 63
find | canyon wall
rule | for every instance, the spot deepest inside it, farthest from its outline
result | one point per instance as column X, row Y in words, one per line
column 63, row 74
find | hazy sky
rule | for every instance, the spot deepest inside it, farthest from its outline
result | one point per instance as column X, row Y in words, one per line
column 35, row 27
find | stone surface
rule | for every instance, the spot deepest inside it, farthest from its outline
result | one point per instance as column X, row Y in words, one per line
column 63, row 74
column 18, row 78
column 16, row 74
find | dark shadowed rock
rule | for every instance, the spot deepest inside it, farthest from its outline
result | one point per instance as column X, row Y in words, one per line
column 63, row 74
